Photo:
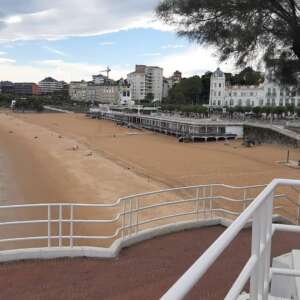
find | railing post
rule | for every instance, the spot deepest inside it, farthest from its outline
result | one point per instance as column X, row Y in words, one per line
column 256, row 227
column 261, row 247
column 298, row 218
column 124, row 218
column 71, row 224
column 197, row 204
column 60, row 226
column 130, row 216
column 49, row 226
column 245, row 199
column 211, row 201
column 137, row 215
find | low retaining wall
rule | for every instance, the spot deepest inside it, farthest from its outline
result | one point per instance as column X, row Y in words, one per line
column 117, row 246
column 270, row 135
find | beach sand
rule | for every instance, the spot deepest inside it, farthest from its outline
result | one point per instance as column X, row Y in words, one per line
column 110, row 162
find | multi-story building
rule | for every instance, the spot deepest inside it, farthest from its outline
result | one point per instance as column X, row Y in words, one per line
column 7, row 87
column 26, row 89
column 269, row 93
column 95, row 91
column 78, row 91
column 125, row 92
column 144, row 81
column 50, row 85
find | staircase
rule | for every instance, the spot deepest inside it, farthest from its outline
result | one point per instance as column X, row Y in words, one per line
column 286, row 287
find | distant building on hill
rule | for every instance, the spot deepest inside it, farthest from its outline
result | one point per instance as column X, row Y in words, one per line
column 146, row 80
column 222, row 94
column 50, row 85
column 26, row 89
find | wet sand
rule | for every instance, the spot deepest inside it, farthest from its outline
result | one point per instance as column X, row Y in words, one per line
column 110, row 162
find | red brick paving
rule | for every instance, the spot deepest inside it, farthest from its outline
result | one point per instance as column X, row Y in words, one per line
column 144, row 271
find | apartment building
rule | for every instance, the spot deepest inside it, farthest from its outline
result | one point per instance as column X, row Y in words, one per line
column 50, row 85
column 146, row 80
column 26, row 89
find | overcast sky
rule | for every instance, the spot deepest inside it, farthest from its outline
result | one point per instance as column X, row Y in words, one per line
column 74, row 39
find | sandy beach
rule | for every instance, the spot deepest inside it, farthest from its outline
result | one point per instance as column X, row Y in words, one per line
column 70, row 158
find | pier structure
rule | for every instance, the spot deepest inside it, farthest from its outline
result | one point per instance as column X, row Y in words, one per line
column 185, row 130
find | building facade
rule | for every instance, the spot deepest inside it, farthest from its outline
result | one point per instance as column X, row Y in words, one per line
column 267, row 94
column 26, row 89
column 50, row 85
column 146, row 80
column 7, row 87
column 100, row 90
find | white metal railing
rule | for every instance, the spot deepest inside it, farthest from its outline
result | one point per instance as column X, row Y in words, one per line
column 257, row 268
column 63, row 224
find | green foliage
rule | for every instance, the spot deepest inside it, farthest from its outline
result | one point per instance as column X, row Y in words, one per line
column 247, row 77
column 240, row 29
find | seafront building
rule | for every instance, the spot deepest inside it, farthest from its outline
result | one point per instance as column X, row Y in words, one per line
column 101, row 90
column 146, row 80
column 222, row 94
column 50, row 85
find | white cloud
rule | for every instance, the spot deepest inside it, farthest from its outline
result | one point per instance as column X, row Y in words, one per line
column 7, row 61
column 193, row 61
column 173, row 46
column 2, row 53
column 59, row 69
column 107, row 43
column 55, row 51
column 56, row 19
column 151, row 54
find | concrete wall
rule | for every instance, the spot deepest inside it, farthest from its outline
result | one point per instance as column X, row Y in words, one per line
column 269, row 136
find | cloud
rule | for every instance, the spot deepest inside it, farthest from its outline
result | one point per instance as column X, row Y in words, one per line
column 173, row 46
column 7, row 61
column 194, row 60
column 55, row 51
column 151, row 54
column 56, row 19
column 58, row 68
column 107, row 43
column 2, row 53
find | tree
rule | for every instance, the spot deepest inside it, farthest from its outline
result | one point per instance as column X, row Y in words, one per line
column 241, row 29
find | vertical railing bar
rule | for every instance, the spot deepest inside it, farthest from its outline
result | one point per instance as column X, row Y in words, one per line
column 137, row 215
column 263, row 241
column 211, row 201
column 197, row 204
column 49, row 226
column 204, row 203
column 60, row 226
column 130, row 216
column 71, row 225
column 255, row 248
column 269, row 217
column 298, row 218
column 245, row 199
column 124, row 219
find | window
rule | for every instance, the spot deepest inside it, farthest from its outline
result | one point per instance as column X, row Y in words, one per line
column 231, row 102
column 261, row 102
column 220, row 85
column 219, row 94
column 240, row 102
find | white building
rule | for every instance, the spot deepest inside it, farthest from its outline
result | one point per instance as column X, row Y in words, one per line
column 269, row 93
column 50, row 85
column 125, row 93
column 146, row 80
